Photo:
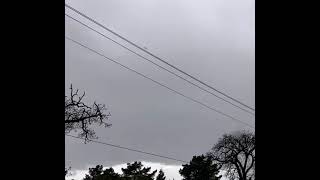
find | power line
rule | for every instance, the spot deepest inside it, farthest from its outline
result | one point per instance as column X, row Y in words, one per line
column 130, row 149
column 87, row 26
column 158, row 58
column 146, row 77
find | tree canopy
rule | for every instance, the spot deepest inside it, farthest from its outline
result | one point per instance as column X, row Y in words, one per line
column 133, row 171
column 97, row 173
column 200, row 168
column 161, row 175
column 136, row 171
column 236, row 154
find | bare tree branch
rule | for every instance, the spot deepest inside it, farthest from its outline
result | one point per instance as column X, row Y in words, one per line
column 79, row 116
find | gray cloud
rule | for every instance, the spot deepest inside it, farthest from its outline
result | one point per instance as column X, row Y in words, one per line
column 212, row 40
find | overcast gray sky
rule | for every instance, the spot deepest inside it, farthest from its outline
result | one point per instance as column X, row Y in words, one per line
column 210, row 39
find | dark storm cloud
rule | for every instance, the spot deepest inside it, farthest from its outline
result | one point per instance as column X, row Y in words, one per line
column 212, row 40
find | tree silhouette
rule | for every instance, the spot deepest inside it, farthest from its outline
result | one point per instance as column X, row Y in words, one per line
column 109, row 174
column 136, row 171
column 66, row 171
column 97, row 173
column 161, row 175
column 236, row 154
column 200, row 168
column 94, row 173
column 78, row 115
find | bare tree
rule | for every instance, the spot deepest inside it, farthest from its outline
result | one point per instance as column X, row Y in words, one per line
column 236, row 154
column 79, row 116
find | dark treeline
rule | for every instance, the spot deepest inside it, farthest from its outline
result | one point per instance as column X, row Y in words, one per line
column 133, row 171
column 233, row 154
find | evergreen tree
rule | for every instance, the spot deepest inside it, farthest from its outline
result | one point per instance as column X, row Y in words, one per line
column 109, row 174
column 94, row 173
column 161, row 175
column 136, row 171
column 200, row 168
column 98, row 173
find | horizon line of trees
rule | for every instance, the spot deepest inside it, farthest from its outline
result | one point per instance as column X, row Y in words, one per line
column 234, row 153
